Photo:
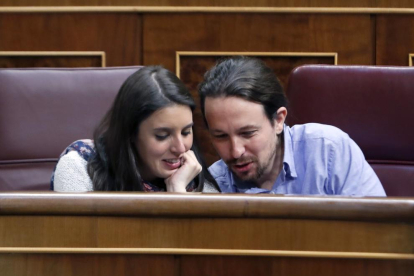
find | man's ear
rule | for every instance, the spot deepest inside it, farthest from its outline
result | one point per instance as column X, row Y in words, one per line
column 279, row 119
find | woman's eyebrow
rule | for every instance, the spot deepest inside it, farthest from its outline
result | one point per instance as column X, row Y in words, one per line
column 189, row 125
column 168, row 129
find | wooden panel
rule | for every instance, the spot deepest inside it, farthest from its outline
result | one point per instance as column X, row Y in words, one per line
column 348, row 35
column 395, row 39
column 143, row 265
column 86, row 264
column 269, row 234
column 118, row 35
column 190, row 234
column 226, row 3
column 139, row 220
column 193, row 66
column 47, row 60
column 195, row 265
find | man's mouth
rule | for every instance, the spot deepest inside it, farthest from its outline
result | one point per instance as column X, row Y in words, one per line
column 243, row 167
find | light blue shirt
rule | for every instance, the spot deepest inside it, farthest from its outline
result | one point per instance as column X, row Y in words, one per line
column 318, row 160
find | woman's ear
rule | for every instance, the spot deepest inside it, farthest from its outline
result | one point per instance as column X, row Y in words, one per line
column 279, row 119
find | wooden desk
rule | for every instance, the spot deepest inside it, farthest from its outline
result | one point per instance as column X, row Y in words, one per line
column 196, row 234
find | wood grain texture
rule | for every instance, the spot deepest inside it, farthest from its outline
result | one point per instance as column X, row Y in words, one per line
column 348, row 35
column 226, row 3
column 118, row 35
column 209, row 233
column 31, row 61
column 111, row 264
column 395, row 39
column 209, row 252
column 207, row 205
column 194, row 265
column 77, row 265
column 136, row 220
column 80, row 223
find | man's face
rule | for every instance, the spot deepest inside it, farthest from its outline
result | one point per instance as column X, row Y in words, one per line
column 243, row 136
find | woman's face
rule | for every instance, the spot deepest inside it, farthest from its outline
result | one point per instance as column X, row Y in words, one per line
column 162, row 139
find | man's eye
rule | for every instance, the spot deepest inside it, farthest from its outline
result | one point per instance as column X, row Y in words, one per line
column 161, row 137
column 248, row 133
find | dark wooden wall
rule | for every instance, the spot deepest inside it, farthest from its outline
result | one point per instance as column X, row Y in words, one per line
column 129, row 38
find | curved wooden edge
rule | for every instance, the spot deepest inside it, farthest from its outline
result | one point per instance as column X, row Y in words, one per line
column 200, row 9
column 207, row 205
column 196, row 251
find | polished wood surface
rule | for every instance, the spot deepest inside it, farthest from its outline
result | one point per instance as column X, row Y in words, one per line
column 51, row 59
column 164, row 34
column 118, row 35
column 207, row 205
column 218, row 3
column 121, row 264
column 201, row 234
column 204, row 9
column 395, row 39
column 88, row 265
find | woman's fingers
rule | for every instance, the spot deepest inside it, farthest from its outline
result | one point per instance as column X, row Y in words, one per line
column 189, row 169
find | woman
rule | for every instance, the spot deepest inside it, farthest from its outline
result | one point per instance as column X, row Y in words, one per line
column 144, row 142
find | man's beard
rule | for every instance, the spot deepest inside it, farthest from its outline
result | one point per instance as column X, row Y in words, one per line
column 259, row 170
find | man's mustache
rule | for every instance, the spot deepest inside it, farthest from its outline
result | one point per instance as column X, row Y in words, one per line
column 241, row 161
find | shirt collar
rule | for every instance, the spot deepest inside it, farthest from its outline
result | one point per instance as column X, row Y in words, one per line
column 288, row 160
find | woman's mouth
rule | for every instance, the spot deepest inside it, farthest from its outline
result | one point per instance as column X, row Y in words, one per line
column 172, row 164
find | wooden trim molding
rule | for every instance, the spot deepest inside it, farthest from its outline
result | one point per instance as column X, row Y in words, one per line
column 196, row 251
column 100, row 54
column 207, row 205
column 180, row 9
column 179, row 54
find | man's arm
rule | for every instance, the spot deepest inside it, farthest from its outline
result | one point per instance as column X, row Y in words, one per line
column 349, row 172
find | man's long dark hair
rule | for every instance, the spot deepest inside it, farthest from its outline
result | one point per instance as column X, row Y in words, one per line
column 247, row 78
column 114, row 167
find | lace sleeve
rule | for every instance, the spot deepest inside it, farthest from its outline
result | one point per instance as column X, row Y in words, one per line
column 71, row 174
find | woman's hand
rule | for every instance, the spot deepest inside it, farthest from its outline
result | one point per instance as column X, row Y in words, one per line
column 189, row 169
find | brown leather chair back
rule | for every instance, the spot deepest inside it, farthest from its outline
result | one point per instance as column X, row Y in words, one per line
column 42, row 111
column 374, row 105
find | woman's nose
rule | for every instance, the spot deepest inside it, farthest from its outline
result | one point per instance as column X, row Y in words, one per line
column 178, row 145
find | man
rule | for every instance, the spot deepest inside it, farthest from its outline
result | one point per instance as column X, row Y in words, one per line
column 244, row 107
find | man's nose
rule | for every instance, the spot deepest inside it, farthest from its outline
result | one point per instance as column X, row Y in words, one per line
column 237, row 148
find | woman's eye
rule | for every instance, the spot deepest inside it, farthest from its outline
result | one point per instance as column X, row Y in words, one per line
column 220, row 136
column 186, row 131
column 161, row 137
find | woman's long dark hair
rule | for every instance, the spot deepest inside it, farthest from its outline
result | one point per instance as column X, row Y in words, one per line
column 114, row 166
